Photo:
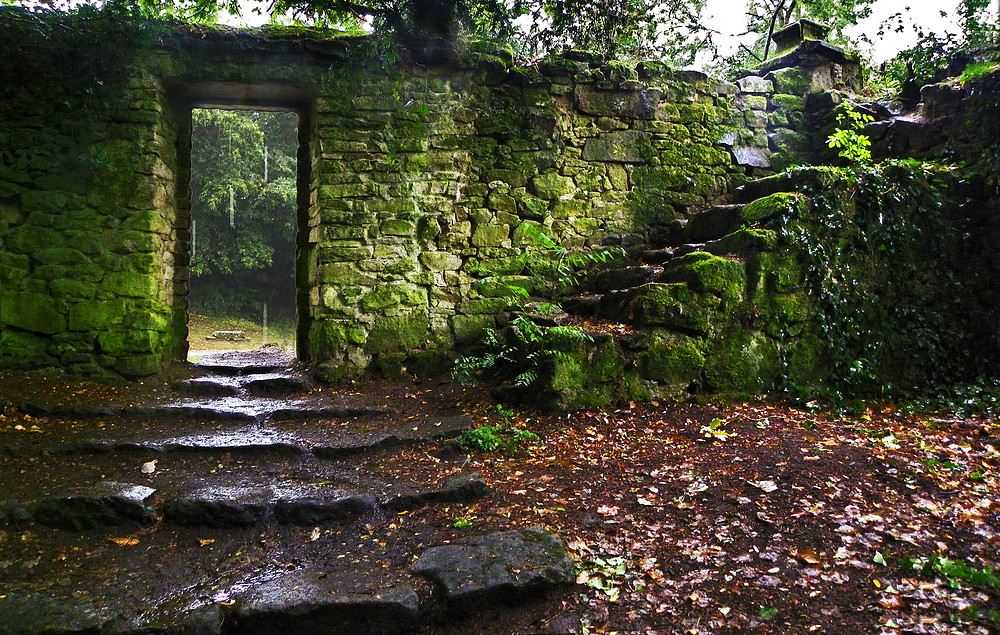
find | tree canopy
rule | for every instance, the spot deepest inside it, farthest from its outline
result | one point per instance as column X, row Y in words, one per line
column 671, row 30
column 243, row 208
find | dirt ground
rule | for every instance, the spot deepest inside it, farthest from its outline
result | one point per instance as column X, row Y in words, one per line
column 685, row 517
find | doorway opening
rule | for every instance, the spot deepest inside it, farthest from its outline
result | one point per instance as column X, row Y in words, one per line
column 243, row 229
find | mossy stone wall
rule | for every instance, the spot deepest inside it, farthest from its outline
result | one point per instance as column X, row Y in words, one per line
column 413, row 184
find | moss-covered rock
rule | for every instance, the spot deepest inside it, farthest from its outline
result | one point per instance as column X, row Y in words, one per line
column 33, row 312
column 674, row 306
column 743, row 242
column 742, row 361
column 768, row 207
column 397, row 334
column 706, row 273
column 673, row 361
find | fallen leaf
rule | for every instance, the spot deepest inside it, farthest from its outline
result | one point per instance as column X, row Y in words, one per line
column 125, row 542
column 204, row 542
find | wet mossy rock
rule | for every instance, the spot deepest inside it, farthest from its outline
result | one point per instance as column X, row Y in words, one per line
column 742, row 361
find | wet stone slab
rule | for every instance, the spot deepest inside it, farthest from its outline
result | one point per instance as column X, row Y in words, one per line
column 275, row 385
column 312, row 505
column 460, row 488
column 252, row 439
column 500, row 566
column 37, row 613
column 208, row 387
column 307, row 602
column 104, row 504
column 219, row 507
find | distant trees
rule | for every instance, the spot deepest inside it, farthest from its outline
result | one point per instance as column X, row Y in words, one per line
column 243, row 191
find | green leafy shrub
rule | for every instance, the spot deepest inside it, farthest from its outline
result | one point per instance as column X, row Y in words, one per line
column 854, row 146
column 505, row 439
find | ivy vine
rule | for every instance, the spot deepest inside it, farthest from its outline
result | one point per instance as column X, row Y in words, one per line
column 884, row 249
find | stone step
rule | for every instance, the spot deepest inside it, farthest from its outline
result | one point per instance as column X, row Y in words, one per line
column 450, row 583
column 620, row 278
column 713, row 223
column 109, row 504
column 255, row 438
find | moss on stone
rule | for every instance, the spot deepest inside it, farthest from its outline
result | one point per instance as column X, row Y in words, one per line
column 770, row 206
column 743, row 242
column 707, row 273
column 397, row 334
column 672, row 360
column 393, row 295
column 741, row 361
column 31, row 312
column 673, row 306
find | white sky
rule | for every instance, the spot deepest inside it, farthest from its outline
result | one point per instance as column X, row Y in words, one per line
column 729, row 18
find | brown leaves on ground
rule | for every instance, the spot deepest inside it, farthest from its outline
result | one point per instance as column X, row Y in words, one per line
column 763, row 517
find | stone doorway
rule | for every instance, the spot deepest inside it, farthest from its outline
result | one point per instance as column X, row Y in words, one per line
column 228, row 215
column 241, row 263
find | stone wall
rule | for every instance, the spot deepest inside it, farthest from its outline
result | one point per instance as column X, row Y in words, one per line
column 413, row 185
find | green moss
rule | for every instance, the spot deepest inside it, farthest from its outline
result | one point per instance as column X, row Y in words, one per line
column 397, row 335
column 673, row 306
column 789, row 103
column 675, row 361
column 744, row 242
column 771, row 206
column 706, row 273
column 20, row 350
column 741, row 361
column 329, row 339
column 791, row 81
column 393, row 295
column 31, row 312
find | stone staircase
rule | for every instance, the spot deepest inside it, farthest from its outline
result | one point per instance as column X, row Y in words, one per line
column 247, row 504
column 711, row 303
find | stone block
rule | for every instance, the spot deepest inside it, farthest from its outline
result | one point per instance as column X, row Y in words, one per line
column 31, row 312
column 628, row 146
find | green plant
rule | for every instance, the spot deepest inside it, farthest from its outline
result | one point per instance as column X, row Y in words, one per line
column 955, row 572
column 522, row 356
column 523, row 352
column 854, row 146
column 505, row 439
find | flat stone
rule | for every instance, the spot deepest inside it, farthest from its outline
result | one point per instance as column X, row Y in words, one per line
column 755, row 84
column 218, row 411
column 219, row 507
column 104, row 504
column 307, row 506
column 249, row 440
column 461, row 488
column 21, row 614
column 305, row 602
column 498, row 566
column 275, row 385
column 434, row 428
column 357, row 445
column 208, row 387
column 299, row 413
column 71, row 412
column 751, row 157
column 267, row 360
column 87, row 446
column 201, row 619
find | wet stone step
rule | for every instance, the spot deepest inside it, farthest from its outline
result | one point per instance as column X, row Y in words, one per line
column 305, row 506
column 107, row 503
column 299, row 413
column 208, row 387
column 22, row 613
column 501, row 566
column 624, row 278
column 713, row 223
column 219, row 507
column 461, row 488
column 275, row 385
column 250, row 440
column 309, row 602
